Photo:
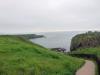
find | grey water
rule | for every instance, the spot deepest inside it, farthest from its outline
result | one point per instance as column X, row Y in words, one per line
column 56, row 39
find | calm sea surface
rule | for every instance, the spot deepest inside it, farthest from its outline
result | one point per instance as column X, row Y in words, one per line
column 57, row 39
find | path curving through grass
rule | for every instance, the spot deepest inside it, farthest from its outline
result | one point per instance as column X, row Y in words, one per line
column 87, row 69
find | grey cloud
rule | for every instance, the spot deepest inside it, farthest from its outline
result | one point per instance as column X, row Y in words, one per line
column 20, row 16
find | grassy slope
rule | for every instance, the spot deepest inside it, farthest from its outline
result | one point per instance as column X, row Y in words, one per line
column 21, row 57
column 95, row 50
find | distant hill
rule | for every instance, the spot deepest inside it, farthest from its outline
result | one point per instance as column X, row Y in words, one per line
column 30, row 36
column 85, row 40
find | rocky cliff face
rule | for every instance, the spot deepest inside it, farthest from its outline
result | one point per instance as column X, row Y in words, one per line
column 89, row 39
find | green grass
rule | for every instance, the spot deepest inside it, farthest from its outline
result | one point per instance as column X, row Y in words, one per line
column 20, row 57
column 95, row 50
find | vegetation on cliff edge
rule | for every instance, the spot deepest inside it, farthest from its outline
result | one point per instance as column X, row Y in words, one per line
column 85, row 40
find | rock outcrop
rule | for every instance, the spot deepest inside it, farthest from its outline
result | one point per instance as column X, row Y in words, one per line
column 59, row 49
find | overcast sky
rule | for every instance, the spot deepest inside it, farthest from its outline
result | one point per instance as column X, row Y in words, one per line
column 20, row 16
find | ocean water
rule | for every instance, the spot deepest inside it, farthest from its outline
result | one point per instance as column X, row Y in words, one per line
column 56, row 39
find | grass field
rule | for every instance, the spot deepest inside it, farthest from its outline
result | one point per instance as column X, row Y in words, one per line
column 95, row 50
column 20, row 57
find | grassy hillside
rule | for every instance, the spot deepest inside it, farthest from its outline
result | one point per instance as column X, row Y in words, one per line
column 92, row 50
column 20, row 57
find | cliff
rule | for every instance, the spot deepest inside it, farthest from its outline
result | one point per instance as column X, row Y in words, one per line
column 85, row 40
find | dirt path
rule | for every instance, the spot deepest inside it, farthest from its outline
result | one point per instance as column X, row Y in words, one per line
column 87, row 69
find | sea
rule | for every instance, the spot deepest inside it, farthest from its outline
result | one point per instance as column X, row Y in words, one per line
column 56, row 39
